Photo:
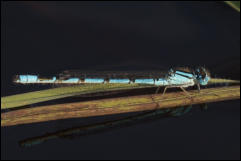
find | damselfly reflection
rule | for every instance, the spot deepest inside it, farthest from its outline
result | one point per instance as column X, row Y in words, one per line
column 104, row 126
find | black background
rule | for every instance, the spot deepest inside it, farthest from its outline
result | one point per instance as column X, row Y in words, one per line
column 48, row 37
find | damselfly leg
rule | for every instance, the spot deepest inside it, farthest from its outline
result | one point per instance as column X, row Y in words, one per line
column 165, row 89
column 185, row 91
column 157, row 90
column 198, row 87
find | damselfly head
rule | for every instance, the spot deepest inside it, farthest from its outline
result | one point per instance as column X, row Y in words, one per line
column 202, row 75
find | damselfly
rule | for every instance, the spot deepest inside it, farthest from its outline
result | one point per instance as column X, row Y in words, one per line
column 174, row 77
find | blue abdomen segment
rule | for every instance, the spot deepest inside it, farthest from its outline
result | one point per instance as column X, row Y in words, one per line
column 34, row 79
column 94, row 80
column 48, row 80
column 71, row 80
column 119, row 80
column 145, row 81
column 28, row 78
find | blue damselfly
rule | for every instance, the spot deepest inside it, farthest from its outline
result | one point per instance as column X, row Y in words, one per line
column 181, row 77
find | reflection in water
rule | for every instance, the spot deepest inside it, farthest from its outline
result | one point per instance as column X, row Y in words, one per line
column 75, row 132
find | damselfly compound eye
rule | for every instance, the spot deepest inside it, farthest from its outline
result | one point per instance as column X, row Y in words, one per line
column 202, row 75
